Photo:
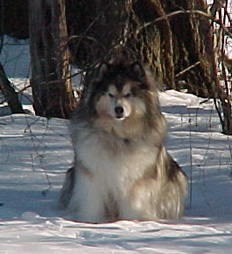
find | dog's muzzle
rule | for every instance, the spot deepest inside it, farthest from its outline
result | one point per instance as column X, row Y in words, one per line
column 119, row 112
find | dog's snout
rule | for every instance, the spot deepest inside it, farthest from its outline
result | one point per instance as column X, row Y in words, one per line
column 119, row 111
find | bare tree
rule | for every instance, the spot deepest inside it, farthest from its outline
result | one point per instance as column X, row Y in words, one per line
column 51, row 84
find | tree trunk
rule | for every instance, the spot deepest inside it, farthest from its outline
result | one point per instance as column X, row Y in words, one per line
column 51, row 83
column 178, row 48
column 9, row 93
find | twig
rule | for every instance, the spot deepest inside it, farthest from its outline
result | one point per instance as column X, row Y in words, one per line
column 187, row 69
column 191, row 162
column 198, row 12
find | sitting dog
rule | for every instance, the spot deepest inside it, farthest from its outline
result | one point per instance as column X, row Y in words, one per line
column 121, row 167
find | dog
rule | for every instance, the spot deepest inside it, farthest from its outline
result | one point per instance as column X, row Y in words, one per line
column 121, row 170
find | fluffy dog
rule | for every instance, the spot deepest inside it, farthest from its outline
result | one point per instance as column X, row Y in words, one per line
column 121, row 167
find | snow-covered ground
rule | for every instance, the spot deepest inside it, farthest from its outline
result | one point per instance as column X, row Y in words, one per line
column 36, row 152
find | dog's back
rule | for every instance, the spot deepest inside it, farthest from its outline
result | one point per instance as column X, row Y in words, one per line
column 121, row 168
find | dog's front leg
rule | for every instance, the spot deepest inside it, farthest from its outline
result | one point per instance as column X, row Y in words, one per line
column 87, row 202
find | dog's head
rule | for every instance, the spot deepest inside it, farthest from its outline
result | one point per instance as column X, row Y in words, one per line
column 121, row 91
column 116, row 103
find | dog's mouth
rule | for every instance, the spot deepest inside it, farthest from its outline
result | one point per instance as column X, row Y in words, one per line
column 119, row 113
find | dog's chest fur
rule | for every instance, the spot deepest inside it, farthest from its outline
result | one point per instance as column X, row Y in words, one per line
column 113, row 162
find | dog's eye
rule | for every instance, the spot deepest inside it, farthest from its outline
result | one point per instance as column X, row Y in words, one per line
column 127, row 95
column 111, row 95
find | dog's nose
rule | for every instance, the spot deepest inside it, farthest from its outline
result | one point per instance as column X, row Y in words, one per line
column 119, row 111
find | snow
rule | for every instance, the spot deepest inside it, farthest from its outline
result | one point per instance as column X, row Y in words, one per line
column 35, row 153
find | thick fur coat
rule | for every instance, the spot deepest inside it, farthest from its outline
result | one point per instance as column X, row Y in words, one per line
column 121, row 167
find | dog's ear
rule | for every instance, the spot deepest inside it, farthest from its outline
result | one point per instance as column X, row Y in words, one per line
column 138, row 70
column 102, row 70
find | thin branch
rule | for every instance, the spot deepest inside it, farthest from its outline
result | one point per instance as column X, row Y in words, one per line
column 222, row 120
column 187, row 69
column 191, row 162
column 197, row 12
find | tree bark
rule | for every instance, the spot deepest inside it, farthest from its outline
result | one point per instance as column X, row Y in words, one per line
column 51, row 83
